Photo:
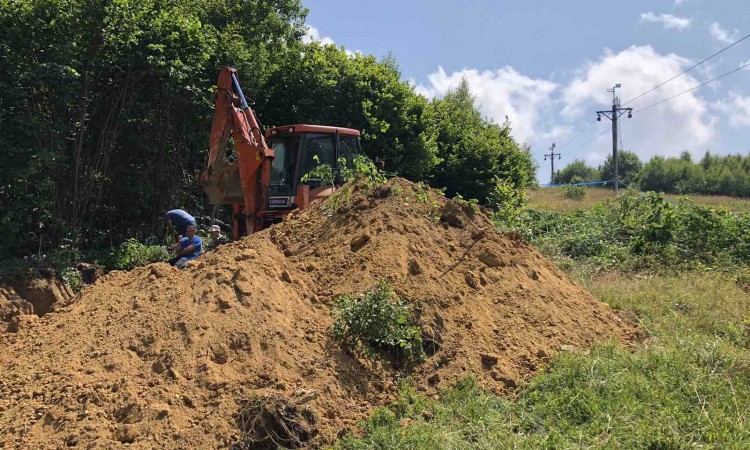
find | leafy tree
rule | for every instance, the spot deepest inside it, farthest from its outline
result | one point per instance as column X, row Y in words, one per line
column 577, row 168
column 105, row 112
column 713, row 174
column 479, row 159
column 325, row 85
column 105, row 107
column 628, row 167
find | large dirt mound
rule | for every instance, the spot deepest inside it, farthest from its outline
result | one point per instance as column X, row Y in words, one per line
column 160, row 358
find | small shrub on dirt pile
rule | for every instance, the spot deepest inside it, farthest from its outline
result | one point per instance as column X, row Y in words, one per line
column 377, row 322
column 72, row 278
column 132, row 253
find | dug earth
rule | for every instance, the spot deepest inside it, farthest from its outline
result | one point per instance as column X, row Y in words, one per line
column 161, row 358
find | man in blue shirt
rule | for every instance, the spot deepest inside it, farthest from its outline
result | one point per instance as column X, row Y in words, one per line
column 187, row 249
column 180, row 220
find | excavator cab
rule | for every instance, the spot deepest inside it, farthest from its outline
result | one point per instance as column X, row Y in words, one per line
column 299, row 149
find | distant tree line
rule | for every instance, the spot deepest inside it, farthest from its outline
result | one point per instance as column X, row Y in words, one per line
column 712, row 175
column 106, row 107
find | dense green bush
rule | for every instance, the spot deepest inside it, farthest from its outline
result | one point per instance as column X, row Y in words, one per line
column 574, row 192
column 478, row 158
column 132, row 253
column 640, row 231
column 127, row 88
column 712, row 175
column 579, row 169
column 377, row 322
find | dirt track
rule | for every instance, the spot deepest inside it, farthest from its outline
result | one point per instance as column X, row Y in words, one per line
column 159, row 358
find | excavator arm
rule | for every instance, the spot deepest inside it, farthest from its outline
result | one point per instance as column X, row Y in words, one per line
column 233, row 116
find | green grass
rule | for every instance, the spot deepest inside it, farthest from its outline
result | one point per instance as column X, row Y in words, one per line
column 686, row 385
column 553, row 199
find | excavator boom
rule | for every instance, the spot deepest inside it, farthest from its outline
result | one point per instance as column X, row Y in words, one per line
column 233, row 115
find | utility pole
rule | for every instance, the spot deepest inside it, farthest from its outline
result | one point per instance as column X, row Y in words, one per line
column 613, row 115
column 551, row 156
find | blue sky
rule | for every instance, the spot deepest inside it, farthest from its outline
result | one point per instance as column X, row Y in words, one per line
column 547, row 65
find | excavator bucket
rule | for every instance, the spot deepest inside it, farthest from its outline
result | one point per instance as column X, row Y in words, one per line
column 224, row 186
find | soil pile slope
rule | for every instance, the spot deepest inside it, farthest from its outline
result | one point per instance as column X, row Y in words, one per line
column 159, row 358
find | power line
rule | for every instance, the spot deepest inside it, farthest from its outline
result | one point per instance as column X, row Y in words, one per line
column 551, row 156
column 688, row 69
column 660, row 85
column 577, row 134
column 694, row 87
column 591, row 140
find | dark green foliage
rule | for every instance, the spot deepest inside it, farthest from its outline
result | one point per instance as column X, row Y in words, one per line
column 324, row 85
column 628, row 168
column 106, row 107
column 132, row 253
column 375, row 322
column 478, row 159
column 712, row 175
column 577, row 168
column 641, row 231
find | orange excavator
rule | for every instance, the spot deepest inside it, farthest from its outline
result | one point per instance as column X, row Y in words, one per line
column 264, row 181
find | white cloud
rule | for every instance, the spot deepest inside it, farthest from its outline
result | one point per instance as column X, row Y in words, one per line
column 721, row 34
column 737, row 108
column 314, row 35
column 680, row 124
column 668, row 21
column 679, row 2
column 499, row 93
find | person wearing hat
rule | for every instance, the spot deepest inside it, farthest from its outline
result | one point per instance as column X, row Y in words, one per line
column 216, row 238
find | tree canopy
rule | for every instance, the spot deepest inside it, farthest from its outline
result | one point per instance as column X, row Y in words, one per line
column 106, row 109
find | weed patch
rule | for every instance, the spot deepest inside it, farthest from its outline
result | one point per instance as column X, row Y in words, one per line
column 377, row 322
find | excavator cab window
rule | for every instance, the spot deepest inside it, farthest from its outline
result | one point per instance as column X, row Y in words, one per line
column 283, row 165
column 348, row 148
column 322, row 146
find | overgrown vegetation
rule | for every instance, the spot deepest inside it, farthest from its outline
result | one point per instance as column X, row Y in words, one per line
column 133, row 253
column 686, row 382
column 377, row 323
column 574, row 192
column 640, row 231
column 687, row 385
column 629, row 167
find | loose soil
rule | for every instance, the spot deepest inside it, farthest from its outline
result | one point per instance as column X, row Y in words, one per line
column 161, row 358
column 38, row 296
